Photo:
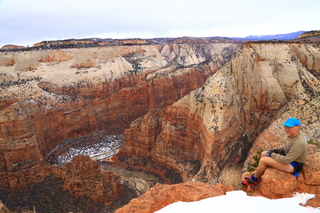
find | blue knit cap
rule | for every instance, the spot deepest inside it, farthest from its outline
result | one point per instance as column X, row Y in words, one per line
column 291, row 122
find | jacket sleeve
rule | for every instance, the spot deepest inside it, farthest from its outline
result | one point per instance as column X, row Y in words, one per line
column 280, row 149
column 294, row 152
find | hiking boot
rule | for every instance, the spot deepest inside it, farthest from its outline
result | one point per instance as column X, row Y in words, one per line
column 251, row 181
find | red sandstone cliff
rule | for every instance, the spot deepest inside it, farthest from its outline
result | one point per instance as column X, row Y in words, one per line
column 48, row 96
column 162, row 195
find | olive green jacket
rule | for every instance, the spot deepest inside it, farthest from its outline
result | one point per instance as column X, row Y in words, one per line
column 296, row 149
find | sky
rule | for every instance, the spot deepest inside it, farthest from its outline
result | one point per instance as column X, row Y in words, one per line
column 26, row 22
column 239, row 202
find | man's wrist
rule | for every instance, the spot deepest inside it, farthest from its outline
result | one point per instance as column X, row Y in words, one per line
column 273, row 150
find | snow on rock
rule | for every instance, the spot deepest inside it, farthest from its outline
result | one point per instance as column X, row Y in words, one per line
column 238, row 201
column 105, row 148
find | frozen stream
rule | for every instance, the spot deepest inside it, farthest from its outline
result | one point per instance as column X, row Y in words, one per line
column 104, row 148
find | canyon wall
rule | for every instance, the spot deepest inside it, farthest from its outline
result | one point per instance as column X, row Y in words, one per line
column 189, row 109
column 51, row 95
column 214, row 127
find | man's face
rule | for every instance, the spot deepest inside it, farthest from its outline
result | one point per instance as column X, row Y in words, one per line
column 292, row 131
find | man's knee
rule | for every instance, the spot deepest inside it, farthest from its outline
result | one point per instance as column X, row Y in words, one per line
column 266, row 160
column 263, row 154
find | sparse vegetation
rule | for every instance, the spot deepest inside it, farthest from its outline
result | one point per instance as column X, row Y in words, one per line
column 256, row 159
column 231, row 176
column 311, row 141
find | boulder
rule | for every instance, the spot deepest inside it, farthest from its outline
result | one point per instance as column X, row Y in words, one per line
column 277, row 184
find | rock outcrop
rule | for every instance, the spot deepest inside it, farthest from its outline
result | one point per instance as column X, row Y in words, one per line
column 162, row 195
column 83, row 177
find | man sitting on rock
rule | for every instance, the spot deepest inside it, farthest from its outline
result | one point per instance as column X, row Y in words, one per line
column 289, row 158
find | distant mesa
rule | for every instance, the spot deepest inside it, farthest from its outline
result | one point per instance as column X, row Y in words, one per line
column 313, row 33
column 96, row 42
column 11, row 46
column 286, row 36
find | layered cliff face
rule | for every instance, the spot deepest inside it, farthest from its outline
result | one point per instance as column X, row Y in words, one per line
column 48, row 96
column 215, row 126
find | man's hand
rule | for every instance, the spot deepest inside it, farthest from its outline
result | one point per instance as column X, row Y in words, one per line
column 273, row 150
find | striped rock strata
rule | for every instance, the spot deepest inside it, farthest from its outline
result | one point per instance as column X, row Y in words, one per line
column 48, row 96
column 215, row 126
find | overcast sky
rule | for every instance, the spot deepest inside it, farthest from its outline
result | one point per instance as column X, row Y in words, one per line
column 25, row 22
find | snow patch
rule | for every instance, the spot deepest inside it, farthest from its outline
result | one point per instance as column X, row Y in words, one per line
column 239, row 201
column 107, row 147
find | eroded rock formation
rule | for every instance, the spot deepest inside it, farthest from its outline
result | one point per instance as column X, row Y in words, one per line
column 216, row 125
column 48, row 96
column 83, row 177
